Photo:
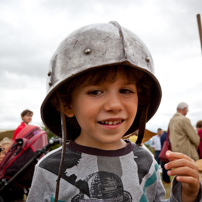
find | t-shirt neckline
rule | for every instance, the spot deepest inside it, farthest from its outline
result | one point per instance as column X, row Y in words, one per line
column 99, row 152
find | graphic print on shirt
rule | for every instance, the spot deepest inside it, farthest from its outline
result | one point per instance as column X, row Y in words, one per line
column 106, row 186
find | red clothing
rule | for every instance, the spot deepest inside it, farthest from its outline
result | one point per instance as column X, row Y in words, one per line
column 19, row 128
column 200, row 144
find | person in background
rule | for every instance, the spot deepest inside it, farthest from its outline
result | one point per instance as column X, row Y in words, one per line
column 183, row 137
column 165, row 176
column 5, row 144
column 11, row 193
column 133, row 137
column 26, row 116
column 199, row 130
column 156, row 145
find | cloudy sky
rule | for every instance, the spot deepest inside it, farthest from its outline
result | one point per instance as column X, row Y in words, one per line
column 31, row 30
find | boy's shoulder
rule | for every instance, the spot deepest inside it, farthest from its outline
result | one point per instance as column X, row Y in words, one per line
column 51, row 161
column 143, row 156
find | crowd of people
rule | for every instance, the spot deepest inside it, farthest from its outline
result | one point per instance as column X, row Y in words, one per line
column 183, row 137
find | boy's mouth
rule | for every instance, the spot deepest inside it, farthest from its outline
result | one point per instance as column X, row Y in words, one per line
column 111, row 122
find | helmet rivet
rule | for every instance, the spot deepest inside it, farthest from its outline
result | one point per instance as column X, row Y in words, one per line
column 50, row 83
column 147, row 59
column 87, row 51
column 49, row 73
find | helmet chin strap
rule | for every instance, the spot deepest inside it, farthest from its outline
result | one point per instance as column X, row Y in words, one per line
column 142, row 123
column 64, row 140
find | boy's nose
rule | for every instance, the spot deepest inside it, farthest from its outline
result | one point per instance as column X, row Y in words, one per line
column 113, row 103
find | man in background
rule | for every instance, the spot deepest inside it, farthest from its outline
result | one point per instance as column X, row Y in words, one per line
column 183, row 137
column 156, row 144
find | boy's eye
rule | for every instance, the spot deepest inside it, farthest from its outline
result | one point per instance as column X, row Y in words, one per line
column 95, row 92
column 126, row 91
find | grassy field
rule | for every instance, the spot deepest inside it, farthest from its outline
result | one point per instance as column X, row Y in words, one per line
column 167, row 188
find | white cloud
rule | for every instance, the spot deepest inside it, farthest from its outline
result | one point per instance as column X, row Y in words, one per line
column 20, row 92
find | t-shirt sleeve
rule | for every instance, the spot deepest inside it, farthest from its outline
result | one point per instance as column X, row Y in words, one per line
column 39, row 191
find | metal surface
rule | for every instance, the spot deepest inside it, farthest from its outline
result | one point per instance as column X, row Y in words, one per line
column 106, row 45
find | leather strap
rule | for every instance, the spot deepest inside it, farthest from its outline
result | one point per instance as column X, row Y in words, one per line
column 142, row 123
column 64, row 140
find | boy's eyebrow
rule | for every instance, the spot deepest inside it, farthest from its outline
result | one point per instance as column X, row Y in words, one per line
column 95, row 84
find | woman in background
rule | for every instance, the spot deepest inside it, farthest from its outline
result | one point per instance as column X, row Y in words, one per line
column 26, row 116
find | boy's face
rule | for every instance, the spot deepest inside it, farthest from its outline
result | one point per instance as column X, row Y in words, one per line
column 104, row 112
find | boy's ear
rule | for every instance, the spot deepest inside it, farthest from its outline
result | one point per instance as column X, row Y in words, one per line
column 69, row 112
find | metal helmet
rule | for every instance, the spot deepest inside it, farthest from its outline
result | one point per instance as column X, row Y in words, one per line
column 94, row 46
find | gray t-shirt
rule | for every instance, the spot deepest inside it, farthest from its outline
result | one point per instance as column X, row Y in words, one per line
column 129, row 174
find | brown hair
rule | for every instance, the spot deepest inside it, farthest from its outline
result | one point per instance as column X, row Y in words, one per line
column 199, row 124
column 26, row 112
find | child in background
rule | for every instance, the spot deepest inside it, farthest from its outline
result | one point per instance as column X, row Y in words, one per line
column 26, row 116
column 102, row 87
column 11, row 193
column 5, row 145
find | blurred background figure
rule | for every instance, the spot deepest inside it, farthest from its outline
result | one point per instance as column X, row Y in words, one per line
column 183, row 137
column 5, row 144
column 26, row 116
column 199, row 130
column 147, row 136
column 133, row 137
column 165, row 176
column 11, row 193
column 156, row 144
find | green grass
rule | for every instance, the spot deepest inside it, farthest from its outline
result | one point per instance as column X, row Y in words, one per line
column 167, row 187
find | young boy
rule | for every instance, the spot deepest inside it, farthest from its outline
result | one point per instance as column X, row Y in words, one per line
column 101, row 85
column 26, row 116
